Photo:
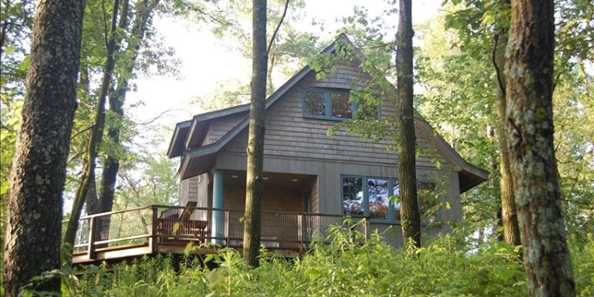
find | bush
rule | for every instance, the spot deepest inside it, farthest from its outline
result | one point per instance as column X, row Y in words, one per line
column 347, row 266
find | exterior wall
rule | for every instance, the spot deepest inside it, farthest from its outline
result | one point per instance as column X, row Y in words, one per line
column 327, row 187
column 219, row 127
column 343, row 76
column 196, row 189
column 289, row 134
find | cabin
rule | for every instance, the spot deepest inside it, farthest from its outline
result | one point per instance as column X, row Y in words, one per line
column 312, row 179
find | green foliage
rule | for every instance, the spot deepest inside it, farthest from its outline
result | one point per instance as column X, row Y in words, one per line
column 146, row 180
column 455, row 70
column 348, row 266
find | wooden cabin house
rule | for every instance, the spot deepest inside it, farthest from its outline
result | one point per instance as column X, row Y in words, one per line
column 312, row 179
column 308, row 171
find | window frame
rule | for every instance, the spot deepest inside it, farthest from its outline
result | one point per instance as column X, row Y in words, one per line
column 326, row 93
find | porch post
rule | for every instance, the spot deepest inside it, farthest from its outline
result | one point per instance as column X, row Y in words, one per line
column 218, row 216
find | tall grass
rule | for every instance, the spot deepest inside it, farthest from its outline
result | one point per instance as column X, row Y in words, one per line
column 349, row 265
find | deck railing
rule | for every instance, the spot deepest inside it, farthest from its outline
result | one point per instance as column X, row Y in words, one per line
column 174, row 225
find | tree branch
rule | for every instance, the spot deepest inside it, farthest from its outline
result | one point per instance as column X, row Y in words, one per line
column 494, row 60
column 277, row 28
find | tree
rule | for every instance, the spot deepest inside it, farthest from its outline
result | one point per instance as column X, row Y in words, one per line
column 529, row 130
column 88, row 176
column 111, row 164
column 409, row 207
column 509, row 219
column 15, row 26
column 39, row 168
column 255, row 148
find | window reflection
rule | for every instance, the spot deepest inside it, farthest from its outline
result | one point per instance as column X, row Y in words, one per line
column 341, row 107
column 315, row 103
column 352, row 195
column 378, row 196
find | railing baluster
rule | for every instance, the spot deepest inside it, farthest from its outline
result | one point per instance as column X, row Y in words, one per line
column 300, row 229
column 91, row 247
column 226, row 227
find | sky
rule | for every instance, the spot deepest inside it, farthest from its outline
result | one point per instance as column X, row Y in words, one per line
column 206, row 61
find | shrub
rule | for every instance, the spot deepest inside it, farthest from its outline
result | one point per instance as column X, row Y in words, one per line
column 346, row 264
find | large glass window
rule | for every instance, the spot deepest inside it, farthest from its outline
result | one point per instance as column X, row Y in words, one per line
column 328, row 104
column 371, row 196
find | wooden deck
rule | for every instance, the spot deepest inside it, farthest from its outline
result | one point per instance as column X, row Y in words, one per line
column 159, row 229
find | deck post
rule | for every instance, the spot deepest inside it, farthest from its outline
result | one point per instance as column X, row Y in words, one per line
column 218, row 216
column 91, row 247
column 153, row 238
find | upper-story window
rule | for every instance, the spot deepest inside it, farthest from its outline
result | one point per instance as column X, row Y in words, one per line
column 333, row 104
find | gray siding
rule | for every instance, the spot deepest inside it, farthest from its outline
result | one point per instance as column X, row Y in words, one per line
column 343, row 76
column 219, row 127
column 289, row 134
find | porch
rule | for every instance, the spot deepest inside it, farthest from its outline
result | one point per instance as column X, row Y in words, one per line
column 170, row 229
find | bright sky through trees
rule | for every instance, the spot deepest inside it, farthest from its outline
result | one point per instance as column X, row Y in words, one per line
column 206, row 62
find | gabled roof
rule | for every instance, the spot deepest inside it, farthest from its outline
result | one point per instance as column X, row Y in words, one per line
column 181, row 133
column 187, row 137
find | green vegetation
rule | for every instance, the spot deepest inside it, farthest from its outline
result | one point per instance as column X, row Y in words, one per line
column 348, row 266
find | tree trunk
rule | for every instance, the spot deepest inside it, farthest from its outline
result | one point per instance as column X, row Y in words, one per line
column 39, row 168
column 255, row 148
column 96, row 134
column 529, row 129
column 409, row 207
column 111, row 164
column 509, row 219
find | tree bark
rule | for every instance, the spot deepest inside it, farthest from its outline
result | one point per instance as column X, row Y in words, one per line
column 409, row 207
column 88, row 175
column 111, row 165
column 529, row 129
column 39, row 169
column 509, row 219
column 255, row 148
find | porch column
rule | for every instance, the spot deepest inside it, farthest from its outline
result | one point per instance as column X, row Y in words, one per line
column 218, row 216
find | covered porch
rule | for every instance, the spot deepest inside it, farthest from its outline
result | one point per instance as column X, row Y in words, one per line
column 225, row 189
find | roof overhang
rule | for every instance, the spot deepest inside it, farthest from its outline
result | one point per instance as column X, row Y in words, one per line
column 178, row 140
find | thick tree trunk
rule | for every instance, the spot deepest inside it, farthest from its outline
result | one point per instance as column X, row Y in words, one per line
column 111, row 165
column 96, row 138
column 255, row 148
column 39, row 168
column 409, row 207
column 509, row 219
column 529, row 129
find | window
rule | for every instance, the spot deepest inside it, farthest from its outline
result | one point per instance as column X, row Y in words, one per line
column 378, row 197
column 352, row 195
column 367, row 196
column 315, row 103
column 370, row 196
column 333, row 104
column 341, row 107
